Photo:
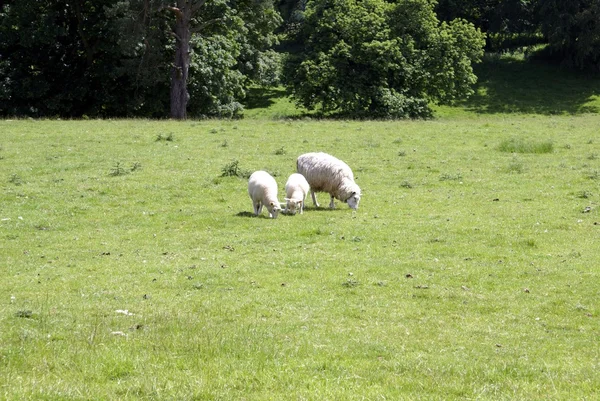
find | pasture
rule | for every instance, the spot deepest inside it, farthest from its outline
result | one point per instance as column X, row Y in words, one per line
column 132, row 267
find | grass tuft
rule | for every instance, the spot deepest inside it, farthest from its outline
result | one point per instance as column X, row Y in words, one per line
column 165, row 137
column 519, row 145
column 515, row 166
column 15, row 179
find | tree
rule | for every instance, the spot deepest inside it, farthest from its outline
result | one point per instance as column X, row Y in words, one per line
column 374, row 58
column 573, row 31
column 184, row 12
column 244, row 29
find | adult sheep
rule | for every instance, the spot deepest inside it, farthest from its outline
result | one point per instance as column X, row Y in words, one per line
column 262, row 189
column 326, row 173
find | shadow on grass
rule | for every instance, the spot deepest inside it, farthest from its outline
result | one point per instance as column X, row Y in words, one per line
column 306, row 210
column 262, row 98
column 245, row 214
column 515, row 85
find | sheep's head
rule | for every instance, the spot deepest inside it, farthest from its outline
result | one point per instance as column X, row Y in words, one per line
column 293, row 205
column 274, row 209
column 354, row 199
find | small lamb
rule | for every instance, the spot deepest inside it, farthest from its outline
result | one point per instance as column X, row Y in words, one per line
column 326, row 173
column 296, row 189
column 262, row 189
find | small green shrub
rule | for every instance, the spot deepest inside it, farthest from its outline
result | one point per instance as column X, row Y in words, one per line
column 233, row 169
column 15, row 179
column 117, row 170
column 584, row 194
column 451, row 177
column 165, row 137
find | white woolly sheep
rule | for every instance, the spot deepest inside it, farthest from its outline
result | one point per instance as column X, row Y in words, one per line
column 326, row 173
column 296, row 189
column 262, row 189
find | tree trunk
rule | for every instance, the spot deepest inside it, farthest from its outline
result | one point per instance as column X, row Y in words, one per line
column 181, row 63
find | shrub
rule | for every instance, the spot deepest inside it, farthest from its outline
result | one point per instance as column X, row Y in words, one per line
column 233, row 169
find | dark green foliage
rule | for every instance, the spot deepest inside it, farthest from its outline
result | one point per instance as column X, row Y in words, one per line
column 381, row 60
column 499, row 18
column 112, row 58
column 64, row 58
column 573, row 31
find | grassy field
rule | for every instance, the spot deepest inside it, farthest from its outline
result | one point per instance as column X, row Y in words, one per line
column 132, row 267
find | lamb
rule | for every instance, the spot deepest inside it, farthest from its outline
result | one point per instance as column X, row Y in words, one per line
column 296, row 189
column 262, row 189
column 326, row 173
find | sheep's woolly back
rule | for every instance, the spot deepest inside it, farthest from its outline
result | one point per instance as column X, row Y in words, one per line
column 326, row 173
column 296, row 187
column 262, row 187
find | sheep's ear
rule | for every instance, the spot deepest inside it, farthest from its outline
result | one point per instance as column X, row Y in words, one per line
column 287, row 199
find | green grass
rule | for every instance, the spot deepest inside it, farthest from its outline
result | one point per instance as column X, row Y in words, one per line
column 461, row 276
column 133, row 269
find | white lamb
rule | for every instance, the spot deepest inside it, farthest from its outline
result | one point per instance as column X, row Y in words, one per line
column 326, row 173
column 262, row 189
column 296, row 189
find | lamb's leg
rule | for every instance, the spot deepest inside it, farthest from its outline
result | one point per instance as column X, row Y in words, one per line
column 332, row 204
column 256, row 208
column 314, row 198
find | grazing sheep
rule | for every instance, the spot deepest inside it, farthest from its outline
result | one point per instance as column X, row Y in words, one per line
column 262, row 189
column 296, row 189
column 326, row 173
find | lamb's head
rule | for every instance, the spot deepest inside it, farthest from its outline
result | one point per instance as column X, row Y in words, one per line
column 274, row 209
column 354, row 197
column 293, row 205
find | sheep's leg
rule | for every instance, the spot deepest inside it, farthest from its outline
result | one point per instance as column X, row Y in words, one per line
column 314, row 198
column 255, row 208
column 332, row 204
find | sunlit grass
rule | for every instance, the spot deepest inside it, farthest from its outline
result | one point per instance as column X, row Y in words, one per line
column 466, row 273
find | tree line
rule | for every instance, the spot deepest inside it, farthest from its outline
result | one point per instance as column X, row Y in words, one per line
column 180, row 58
